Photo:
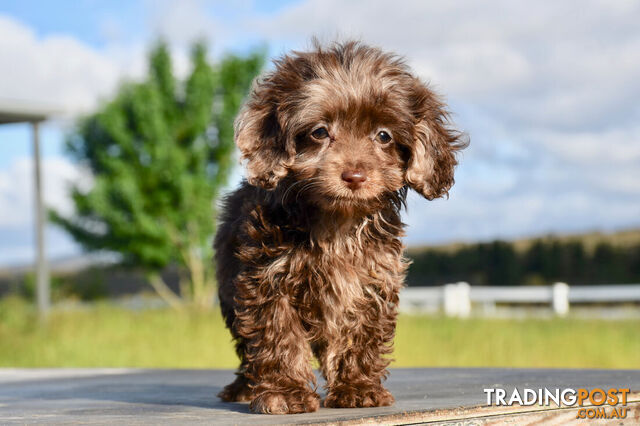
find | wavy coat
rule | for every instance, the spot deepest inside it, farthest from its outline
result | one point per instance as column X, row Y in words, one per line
column 308, row 253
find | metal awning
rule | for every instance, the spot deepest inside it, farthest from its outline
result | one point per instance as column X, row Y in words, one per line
column 20, row 111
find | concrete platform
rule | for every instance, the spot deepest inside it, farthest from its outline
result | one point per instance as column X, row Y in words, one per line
column 434, row 395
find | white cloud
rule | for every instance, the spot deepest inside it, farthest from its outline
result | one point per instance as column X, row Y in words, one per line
column 618, row 146
column 17, row 190
column 185, row 21
column 548, row 92
column 538, row 63
column 62, row 71
column 58, row 70
column 17, row 207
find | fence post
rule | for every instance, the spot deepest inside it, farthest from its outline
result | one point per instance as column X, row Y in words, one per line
column 449, row 300
column 560, row 292
column 464, row 299
column 457, row 302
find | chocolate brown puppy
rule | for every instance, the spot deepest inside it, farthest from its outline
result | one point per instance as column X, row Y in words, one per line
column 308, row 252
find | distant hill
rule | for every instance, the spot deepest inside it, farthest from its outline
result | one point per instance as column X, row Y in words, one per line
column 589, row 240
column 589, row 258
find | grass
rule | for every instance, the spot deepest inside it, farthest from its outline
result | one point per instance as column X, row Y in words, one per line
column 107, row 336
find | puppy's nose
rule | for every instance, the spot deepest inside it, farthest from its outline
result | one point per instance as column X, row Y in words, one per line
column 354, row 178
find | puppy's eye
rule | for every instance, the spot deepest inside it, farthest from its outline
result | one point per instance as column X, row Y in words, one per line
column 383, row 137
column 320, row 133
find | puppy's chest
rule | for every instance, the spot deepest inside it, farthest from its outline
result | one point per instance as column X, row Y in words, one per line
column 340, row 272
column 349, row 277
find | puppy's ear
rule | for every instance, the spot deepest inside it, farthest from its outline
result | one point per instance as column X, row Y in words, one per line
column 261, row 140
column 432, row 154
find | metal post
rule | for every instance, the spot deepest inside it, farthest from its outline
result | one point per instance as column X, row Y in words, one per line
column 42, row 271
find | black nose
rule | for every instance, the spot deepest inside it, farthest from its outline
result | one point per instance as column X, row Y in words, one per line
column 354, row 178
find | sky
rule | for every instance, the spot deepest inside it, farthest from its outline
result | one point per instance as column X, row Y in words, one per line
column 547, row 92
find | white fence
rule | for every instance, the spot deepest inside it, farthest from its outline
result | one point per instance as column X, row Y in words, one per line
column 457, row 299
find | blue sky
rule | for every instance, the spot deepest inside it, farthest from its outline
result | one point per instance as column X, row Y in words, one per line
column 91, row 20
column 81, row 19
column 547, row 92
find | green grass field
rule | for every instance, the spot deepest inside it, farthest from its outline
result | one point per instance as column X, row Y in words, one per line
column 106, row 336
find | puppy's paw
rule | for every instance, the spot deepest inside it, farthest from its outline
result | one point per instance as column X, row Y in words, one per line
column 285, row 402
column 238, row 391
column 345, row 396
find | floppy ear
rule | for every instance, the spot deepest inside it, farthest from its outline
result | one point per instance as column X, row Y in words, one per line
column 261, row 140
column 432, row 154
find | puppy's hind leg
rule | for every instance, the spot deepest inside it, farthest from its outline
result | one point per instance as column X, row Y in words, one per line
column 237, row 391
column 240, row 389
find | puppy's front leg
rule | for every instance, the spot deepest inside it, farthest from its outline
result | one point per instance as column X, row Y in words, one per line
column 277, row 353
column 355, row 363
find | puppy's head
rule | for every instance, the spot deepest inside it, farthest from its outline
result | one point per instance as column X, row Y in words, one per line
column 347, row 125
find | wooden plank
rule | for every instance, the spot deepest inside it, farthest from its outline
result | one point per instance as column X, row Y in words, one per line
column 188, row 396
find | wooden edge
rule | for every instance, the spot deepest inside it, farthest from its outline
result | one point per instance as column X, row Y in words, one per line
column 494, row 415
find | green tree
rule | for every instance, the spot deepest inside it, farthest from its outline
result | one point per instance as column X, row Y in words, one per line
column 159, row 153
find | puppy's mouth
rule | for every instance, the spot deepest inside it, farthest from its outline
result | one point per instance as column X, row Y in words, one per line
column 359, row 197
column 357, row 204
column 348, row 194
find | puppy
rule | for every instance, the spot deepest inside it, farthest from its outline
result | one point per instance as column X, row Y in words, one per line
column 308, row 251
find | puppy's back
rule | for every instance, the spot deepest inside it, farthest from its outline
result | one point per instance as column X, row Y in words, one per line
column 233, row 214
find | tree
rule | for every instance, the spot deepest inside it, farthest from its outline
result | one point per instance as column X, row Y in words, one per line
column 159, row 153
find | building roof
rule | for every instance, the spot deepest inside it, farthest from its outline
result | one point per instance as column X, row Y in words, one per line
column 20, row 111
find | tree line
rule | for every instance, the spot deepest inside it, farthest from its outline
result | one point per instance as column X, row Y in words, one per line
column 543, row 262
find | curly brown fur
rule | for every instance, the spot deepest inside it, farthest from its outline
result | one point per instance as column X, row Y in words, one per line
column 309, row 257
